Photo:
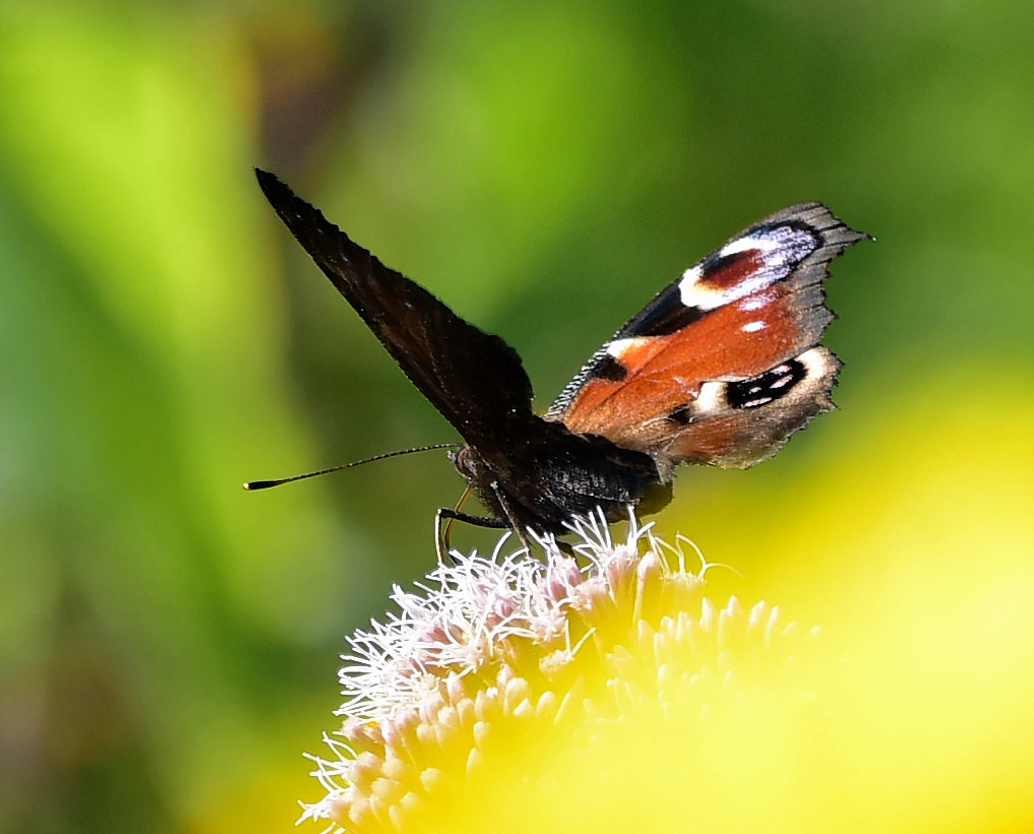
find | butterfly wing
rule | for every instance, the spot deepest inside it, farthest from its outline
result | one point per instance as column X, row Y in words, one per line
column 473, row 378
column 724, row 364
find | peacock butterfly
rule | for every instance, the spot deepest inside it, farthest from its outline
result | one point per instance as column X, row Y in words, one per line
column 721, row 367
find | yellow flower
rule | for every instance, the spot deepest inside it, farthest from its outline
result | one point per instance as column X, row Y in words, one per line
column 591, row 694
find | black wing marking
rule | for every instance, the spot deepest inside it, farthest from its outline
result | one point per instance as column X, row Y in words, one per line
column 473, row 378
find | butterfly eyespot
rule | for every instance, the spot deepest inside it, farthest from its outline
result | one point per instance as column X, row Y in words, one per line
column 726, row 270
column 767, row 387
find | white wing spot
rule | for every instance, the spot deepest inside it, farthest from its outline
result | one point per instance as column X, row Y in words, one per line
column 619, row 347
column 757, row 301
column 765, row 244
column 817, row 360
column 692, row 275
column 711, row 398
column 703, row 298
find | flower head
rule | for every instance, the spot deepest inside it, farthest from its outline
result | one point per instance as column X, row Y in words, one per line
column 509, row 690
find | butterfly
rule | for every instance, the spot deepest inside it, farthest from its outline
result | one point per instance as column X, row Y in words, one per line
column 720, row 368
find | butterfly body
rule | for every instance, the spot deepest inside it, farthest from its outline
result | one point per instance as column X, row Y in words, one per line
column 721, row 367
column 549, row 475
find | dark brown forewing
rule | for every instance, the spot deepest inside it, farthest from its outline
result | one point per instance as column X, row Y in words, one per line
column 473, row 378
column 751, row 305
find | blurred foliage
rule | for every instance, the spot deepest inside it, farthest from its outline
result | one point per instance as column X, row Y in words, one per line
column 166, row 640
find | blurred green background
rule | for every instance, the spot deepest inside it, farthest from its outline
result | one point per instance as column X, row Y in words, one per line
column 168, row 642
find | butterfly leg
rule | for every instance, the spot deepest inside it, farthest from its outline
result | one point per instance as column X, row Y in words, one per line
column 441, row 530
column 511, row 518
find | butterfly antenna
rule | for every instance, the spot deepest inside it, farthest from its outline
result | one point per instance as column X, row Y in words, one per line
column 252, row 486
